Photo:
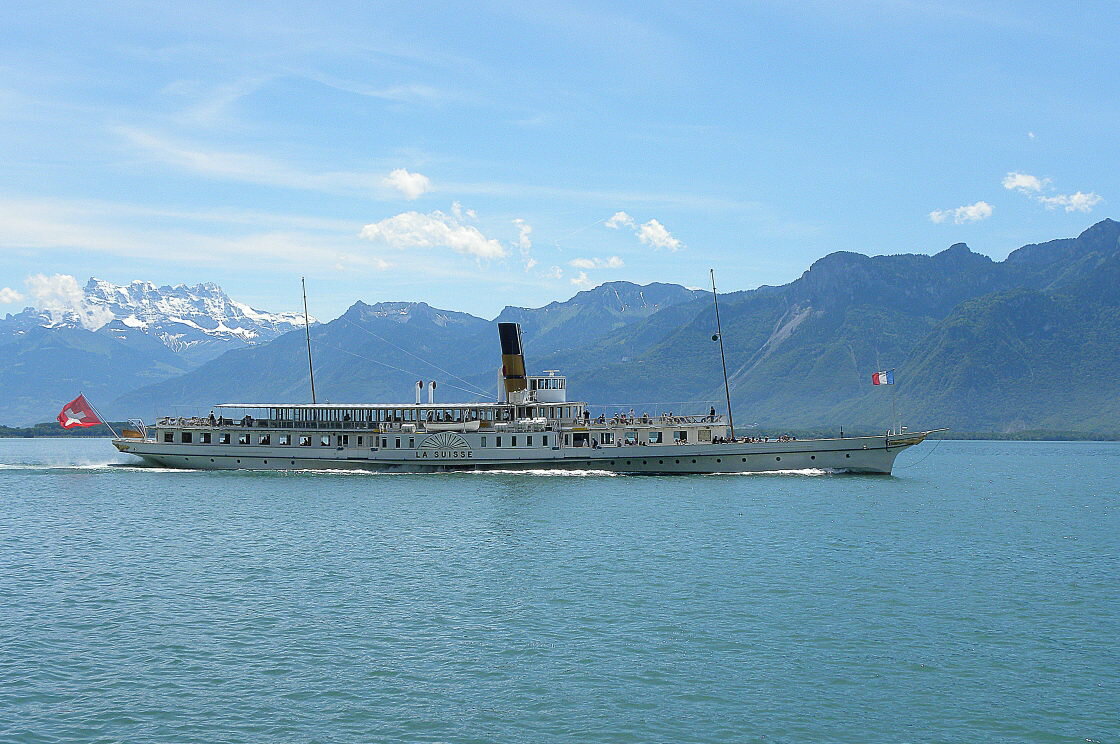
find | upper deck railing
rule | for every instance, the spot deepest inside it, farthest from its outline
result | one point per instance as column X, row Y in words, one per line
column 594, row 422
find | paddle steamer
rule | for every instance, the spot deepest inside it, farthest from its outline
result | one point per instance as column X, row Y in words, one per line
column 532, row 426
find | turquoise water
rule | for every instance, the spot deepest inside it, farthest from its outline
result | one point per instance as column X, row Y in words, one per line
column 972, row 597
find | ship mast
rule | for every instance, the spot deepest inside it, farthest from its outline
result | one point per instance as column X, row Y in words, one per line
column 722, row 357
column 307, row 332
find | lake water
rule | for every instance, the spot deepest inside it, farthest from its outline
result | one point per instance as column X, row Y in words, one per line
column 972, row 597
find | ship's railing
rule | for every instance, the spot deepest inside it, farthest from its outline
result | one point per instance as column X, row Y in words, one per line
column 521, row 425
column 377, row 427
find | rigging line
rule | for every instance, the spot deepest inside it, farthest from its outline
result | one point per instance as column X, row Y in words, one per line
column 398, row 369
column 919, row 462
column 477, row 390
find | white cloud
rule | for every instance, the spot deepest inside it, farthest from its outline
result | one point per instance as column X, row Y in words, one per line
column 462, row 214
column 61, row 295
column 618, row 219
column 554, row 272
column 411, row 185
column 525, row 242
column 653, row 233
column 981, row 210
column 434, row 230
column 582, row 281
column 9, row 295
column 614, row 262
column 1024, row 183
column 1078, row 202
column 1030, row 135
column 1033, row 187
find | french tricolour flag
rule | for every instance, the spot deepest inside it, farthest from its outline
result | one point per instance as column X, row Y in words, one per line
column 883, row 378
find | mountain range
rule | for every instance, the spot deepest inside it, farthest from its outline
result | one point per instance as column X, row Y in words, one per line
column 1028, row 343
column 106, row 339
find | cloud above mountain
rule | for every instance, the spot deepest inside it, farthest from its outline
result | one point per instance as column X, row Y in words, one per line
column 9, row 295
column 62, row 297
column 1036, row 189
column 981, row 210
column 412, row 230
column 651, row 232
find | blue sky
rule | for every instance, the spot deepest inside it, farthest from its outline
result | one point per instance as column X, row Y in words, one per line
column 473, row 155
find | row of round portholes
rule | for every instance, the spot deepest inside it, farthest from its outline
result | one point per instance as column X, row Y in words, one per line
column 678, row 462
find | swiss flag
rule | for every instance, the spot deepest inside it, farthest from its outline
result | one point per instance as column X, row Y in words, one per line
column 78, row 412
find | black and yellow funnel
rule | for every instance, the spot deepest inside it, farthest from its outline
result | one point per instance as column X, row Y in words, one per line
column 513, row 358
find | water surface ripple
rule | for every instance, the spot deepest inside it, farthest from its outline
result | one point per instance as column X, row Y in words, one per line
column 971, row 597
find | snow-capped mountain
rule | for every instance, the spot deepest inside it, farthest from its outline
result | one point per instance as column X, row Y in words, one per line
column 196, row 322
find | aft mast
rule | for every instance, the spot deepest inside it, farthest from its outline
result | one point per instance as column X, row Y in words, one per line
column 307, row 332
column 722, row 357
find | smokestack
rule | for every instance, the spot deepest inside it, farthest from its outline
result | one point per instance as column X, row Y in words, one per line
column 419, row 387
column 513, row 358
column 431, row 392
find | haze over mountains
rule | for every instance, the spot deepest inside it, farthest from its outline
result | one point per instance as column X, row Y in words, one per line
column 1031, row 342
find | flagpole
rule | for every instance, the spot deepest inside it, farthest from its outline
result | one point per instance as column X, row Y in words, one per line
column 103, row 419
column 894, row 409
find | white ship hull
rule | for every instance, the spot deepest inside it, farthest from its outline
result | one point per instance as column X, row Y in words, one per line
column 853, row 454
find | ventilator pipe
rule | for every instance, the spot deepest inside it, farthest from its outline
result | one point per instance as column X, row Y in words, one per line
column 431, row 392
column 419, row 387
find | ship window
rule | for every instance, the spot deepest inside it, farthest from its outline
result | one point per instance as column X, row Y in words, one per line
column 284, row 439
column 411, row 443
column 242, row 438
column 484, row 441
column 680, row 436
column 304, row 440
column 704, row 435
column 513, row 441
column 264, row 439
column 204, row 437
column 497, row 441
column 384, row 442
column 168, row 436
column 223, row 438
column 544, row 440
column 655, row 437
column 359, row 440
column 606, row 438
column 325, row 440
column 186, row 438
column 397, row 443
column 345, row 440
column 529, row 441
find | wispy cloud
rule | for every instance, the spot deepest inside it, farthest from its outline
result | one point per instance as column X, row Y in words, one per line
column 581, row 281
column 264, row 171
column 981, row 210
column 614, row 262
column 274, row 242
column 1076, row 202
column 525, row 243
